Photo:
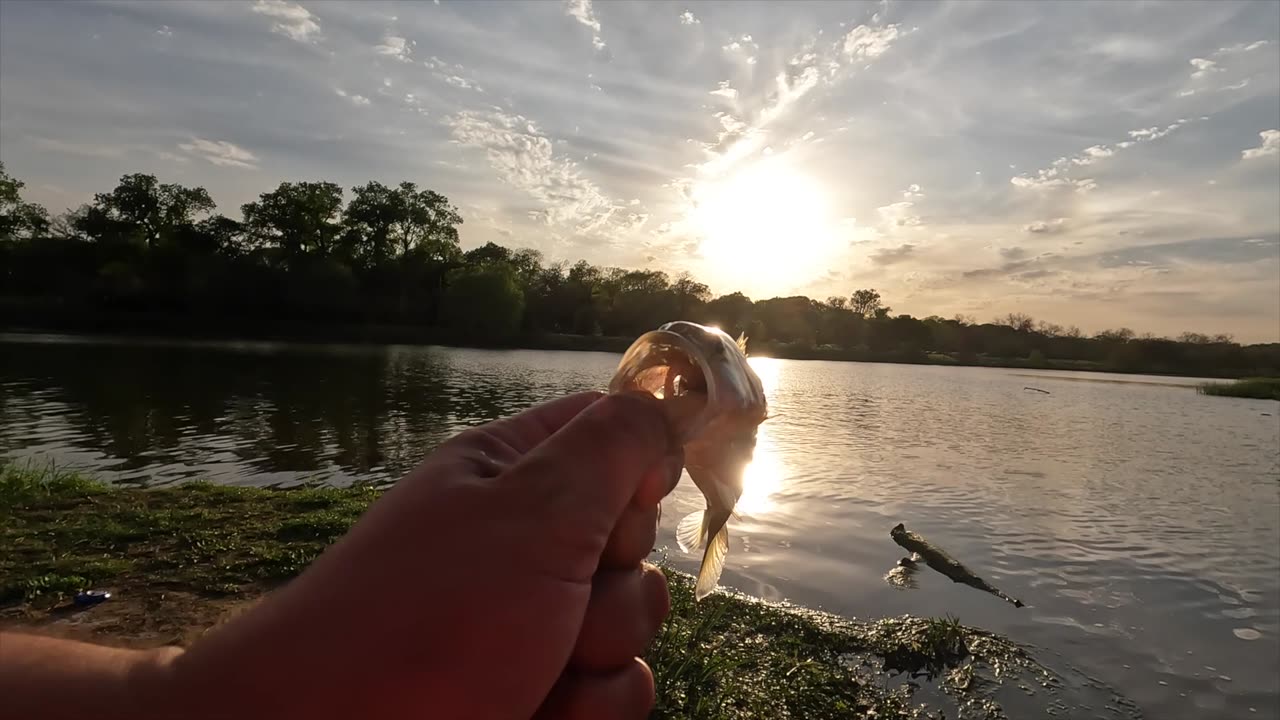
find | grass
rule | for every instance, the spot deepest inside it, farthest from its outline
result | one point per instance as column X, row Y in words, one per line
column 1262, row 388
column 729, row 656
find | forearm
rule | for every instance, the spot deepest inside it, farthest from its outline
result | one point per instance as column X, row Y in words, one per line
column 51, row 678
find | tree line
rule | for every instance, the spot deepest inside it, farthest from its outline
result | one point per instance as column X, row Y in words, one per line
column 305, row 252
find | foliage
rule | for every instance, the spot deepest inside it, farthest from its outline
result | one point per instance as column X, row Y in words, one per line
column 391, row 256
column 484, row 301
column 1261, row 388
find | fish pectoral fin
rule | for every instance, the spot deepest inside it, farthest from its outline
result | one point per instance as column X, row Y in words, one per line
column 691, row 531
column 712, row 563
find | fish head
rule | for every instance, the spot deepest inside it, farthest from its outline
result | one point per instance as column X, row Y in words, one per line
column 713, row 399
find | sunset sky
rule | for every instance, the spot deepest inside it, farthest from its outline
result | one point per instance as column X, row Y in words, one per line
column 1098, row 164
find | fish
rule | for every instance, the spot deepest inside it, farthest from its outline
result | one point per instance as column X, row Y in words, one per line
column 715, row 404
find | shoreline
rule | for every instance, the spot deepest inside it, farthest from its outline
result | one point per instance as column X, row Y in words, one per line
column 182, row 329
column 182, row 559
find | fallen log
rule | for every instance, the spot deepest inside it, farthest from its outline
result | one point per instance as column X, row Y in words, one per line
column 938, row 559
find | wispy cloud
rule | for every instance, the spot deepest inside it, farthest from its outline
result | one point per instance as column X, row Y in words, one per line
column 869, row 42
column 687, row 18
column 220, row 152
column 1204, row 68
column 396, row 47
column 725, row 91
column 1270, row 146
column 743, row 45
column 355, row 99
column 891, row 256
column 1057, row 174
column 524, row 158
column 583, row 12
column 1046, row 227
column 291, row 20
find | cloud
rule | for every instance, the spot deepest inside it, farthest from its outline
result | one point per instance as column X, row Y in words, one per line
column 889, row 256
column 355, row 99
column 725, row 91
column 1204, row 68
column 1013, row 253
column 869, row 42
column 165, row 31
column 1270, row 145
column 1056, row 175
column 687, row 18
column 221, row 152
column 1093, row 153
column 292, row 20
column 898, row 214
column 396, row 47
column 460, row 82
column 746, row 45
column 912, row 192
column 582, row 11
column 1046, row 227
column 1241, row 48
column 524, row 158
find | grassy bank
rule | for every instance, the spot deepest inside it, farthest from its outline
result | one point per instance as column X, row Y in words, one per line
column 181, row 559
column 1261, row 388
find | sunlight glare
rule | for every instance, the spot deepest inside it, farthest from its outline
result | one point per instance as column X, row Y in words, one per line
column 765, row 228
column 764, row 476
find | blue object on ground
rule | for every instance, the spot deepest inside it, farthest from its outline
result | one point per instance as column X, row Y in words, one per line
column 92, row 597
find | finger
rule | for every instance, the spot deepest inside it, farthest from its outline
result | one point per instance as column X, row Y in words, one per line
column 624, row 613
column 624, row 694
column 583, row 476
column 661, row 479
column 633, row 538
column 525, row 430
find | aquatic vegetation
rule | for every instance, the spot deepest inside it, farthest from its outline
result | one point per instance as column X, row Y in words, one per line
column 1262, row 388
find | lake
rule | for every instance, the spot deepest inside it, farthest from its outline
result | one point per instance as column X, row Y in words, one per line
column 1138, row 520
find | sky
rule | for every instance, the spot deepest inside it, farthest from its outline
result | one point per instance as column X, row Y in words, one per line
column 1092, row 164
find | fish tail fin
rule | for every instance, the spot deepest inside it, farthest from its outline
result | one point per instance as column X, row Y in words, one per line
column 713, row 558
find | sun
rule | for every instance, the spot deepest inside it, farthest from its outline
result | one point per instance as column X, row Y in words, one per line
column 764, row 228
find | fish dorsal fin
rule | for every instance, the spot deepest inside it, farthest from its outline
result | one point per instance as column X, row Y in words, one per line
column 742, row 342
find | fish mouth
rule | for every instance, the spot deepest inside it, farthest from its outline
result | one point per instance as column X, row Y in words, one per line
column 674, row 368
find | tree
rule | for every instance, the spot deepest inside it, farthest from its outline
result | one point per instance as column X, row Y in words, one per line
column 393, row 222
column 18, row 219
column 865, row 302
column 484, row 302
column 299, row 219
column 144, row 208
column 1020, row 322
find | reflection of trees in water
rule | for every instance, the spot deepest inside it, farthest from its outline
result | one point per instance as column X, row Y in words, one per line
column 365, row 411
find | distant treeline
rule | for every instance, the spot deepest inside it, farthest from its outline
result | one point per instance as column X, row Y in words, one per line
column 389, row 256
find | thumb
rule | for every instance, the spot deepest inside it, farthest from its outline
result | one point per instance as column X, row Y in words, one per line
column 580, row 479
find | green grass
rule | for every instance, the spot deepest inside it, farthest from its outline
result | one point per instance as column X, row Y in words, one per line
column 729, row 656
column 1262, row 388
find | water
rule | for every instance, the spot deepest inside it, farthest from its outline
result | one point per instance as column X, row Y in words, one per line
column 1138, row 520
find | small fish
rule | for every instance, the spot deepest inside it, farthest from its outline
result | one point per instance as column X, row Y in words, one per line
column 715, row 403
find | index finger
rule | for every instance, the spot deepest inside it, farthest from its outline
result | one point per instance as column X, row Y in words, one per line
column 587, row 472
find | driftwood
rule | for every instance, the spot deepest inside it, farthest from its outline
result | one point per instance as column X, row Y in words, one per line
column 937, row 558
column 1046, row 392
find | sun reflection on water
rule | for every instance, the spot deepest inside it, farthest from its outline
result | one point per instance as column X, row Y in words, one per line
column 764, row 476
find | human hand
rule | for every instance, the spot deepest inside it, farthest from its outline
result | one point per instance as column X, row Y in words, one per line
column 502, row 578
